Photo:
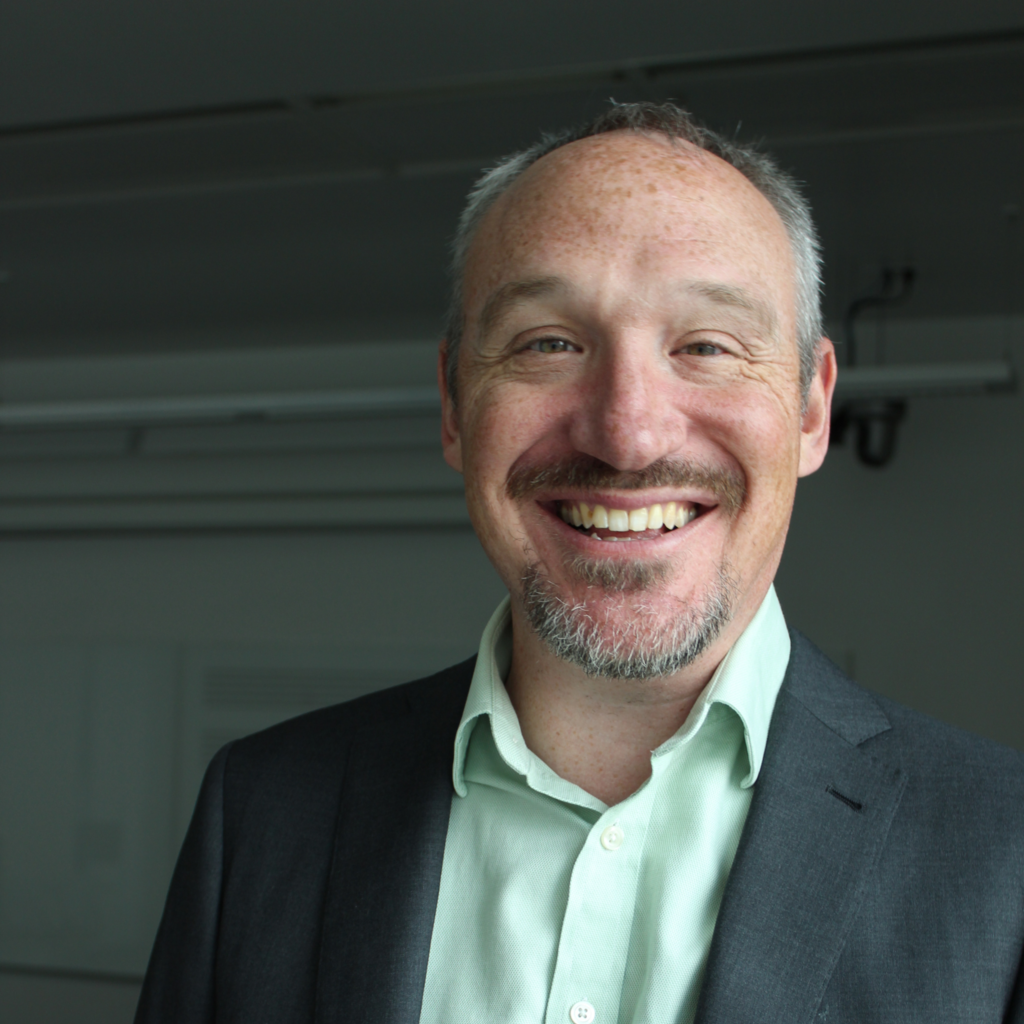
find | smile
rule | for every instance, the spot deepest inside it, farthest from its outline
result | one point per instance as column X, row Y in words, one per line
column 601, row 522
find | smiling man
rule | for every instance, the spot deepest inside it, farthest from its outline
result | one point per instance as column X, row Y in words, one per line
column 631, row 423
column 645, row 800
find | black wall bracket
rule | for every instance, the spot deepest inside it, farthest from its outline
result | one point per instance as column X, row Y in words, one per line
column 874, row 422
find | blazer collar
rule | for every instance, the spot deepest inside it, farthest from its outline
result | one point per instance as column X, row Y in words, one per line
column 388, row 851
column 820, row 815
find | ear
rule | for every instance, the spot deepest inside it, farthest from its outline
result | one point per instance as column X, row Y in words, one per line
column 451, row 439
column 817, row 417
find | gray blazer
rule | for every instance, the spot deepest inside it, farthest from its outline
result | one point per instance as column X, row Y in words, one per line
column 879, row 877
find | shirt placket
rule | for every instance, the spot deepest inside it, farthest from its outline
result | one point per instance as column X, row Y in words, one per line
column 595, row 935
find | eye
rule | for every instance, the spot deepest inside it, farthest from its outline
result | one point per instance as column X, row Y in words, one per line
column 551, row 346
column 702, row 348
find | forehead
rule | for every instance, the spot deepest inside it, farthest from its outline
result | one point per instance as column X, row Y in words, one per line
column 629, row 199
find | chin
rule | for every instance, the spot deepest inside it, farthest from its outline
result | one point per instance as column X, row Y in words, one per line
column 620, row 627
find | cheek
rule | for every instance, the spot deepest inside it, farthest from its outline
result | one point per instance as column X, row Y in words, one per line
column 503, row 424
column 772, row 461
column 760, row 431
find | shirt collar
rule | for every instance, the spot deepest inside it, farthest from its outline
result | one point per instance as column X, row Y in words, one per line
column 488, row 696
column 747, row 680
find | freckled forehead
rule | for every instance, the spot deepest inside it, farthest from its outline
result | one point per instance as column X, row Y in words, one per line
column 603, row 191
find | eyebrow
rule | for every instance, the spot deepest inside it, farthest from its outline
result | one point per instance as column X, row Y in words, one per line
column 731, row 296
column 737, row 298
column 511, row 294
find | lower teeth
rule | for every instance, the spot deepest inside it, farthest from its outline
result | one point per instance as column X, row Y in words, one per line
column 595, row 536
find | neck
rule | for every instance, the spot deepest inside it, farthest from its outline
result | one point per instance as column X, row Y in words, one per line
column 597, row 732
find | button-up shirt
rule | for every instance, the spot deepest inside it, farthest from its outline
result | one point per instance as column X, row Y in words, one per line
column 555, row 907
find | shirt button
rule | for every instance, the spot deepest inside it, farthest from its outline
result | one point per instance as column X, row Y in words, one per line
column 612, row 838
column 582, row 1013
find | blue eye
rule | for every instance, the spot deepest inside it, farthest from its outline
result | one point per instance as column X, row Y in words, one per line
column 550, row 346
column 703, row 348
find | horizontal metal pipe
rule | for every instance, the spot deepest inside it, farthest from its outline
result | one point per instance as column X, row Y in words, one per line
column 924, row 380
column 71, row 974
column 140, row 412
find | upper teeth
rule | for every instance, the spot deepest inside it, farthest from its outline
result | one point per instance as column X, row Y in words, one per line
column 653, row 517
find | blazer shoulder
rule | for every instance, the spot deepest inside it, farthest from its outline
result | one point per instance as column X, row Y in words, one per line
column 928, row 747
column 946, row 751
column 317, row 743
column 830, row 695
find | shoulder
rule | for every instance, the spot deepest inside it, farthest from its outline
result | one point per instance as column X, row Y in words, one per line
column 305, row 758
column 944, row 764
column 964, row 773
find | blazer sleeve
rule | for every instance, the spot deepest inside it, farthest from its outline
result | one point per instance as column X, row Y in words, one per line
column 179, row 987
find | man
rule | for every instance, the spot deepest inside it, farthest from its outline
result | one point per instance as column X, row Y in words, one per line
column 645, row 801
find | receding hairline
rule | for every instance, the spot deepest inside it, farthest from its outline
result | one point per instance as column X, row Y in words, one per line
column 669, row 144
column 721, row 293
column 673, row 124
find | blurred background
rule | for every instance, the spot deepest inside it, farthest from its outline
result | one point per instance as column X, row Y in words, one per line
column 223, row 232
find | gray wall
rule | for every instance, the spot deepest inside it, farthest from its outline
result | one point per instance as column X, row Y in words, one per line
column 126, row 661
column 910, row 576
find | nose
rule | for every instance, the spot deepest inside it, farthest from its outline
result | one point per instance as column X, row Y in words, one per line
column 625, row 416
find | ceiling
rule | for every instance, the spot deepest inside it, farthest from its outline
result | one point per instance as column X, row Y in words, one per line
column 172, row 174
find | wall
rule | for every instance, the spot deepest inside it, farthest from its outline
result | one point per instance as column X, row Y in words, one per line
column 127, row 656
column 910, row 576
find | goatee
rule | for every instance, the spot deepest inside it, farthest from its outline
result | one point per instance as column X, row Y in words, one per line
column 635, row 645
column 637, row 642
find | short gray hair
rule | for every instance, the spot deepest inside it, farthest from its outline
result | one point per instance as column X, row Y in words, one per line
column 672, row 122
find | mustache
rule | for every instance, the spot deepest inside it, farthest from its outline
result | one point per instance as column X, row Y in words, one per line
column 588, row 472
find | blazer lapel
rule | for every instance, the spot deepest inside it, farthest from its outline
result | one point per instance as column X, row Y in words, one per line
column 388, row 851
column 821, row 811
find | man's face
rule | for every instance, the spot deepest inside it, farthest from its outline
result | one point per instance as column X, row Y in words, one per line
column 629, row 416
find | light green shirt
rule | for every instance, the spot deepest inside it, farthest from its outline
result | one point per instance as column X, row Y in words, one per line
column 555, row 907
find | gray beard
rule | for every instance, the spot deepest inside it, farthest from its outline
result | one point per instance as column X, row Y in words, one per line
column 632, row 648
